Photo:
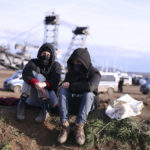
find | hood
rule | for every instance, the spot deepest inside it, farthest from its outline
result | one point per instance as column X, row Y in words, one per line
column 47, row 47
column 82, row 55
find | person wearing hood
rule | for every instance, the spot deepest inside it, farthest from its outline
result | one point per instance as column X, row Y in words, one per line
column 41, row 78
column 120, row 85
column 79, row 88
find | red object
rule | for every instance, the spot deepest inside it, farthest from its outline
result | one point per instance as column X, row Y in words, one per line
column 8, row 101
column 11, row 101
column 48, row 84
column 33, row 81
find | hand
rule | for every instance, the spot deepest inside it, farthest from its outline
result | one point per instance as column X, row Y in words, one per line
column 40, row 85
column 65, row 85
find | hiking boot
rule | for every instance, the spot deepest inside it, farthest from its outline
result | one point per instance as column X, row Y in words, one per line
column 21, row 109
column 43, row 115
column 80, row 136
column 65, row 128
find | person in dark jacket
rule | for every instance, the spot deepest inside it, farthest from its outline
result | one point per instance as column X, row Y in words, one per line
column 120, row 85
column 80, row 84
column 41, row 78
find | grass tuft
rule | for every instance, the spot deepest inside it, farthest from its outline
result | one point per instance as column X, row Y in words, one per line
column 100, row 132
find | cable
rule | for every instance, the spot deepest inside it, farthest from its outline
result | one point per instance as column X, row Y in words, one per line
column 25, row 32
column 68, row 24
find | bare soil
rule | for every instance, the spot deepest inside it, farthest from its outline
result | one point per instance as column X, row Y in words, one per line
column 28, row 135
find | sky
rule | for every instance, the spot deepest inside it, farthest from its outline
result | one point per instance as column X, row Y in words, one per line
column 119, row 29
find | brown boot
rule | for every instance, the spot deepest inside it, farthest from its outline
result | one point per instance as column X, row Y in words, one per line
column 65, row 128
column 80, row 136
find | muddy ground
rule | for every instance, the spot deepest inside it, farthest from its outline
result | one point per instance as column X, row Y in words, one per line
column 28, row 135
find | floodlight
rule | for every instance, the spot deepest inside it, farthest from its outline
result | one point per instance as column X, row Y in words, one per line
column 51, row 20
column 80, row 30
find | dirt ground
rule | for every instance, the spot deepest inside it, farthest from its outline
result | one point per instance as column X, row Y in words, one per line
column 28, row 135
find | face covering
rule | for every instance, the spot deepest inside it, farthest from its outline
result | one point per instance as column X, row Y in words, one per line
column 77, row 67
column 45, row 59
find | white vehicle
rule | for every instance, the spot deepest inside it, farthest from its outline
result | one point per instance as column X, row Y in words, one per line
column 126, row 77
column 109, row 82
column 136, row 79
column 15, row 82
column 127, row 81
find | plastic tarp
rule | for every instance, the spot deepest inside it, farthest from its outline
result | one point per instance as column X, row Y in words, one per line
column 124, row 107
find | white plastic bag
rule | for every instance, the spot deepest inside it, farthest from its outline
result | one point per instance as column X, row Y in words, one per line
column 124, row 107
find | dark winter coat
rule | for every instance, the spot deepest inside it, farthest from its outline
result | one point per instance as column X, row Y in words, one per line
column 52, row 72
column 88, row 78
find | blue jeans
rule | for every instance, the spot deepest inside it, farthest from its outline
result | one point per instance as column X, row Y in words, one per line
column 34, row 96
column 87, row 100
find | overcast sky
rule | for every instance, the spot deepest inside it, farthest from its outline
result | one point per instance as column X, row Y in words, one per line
column 120, row 24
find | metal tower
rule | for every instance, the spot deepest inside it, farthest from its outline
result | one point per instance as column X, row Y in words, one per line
column 51, row 23
column 78, row 40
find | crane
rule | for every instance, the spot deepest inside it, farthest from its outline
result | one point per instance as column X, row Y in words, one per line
column 9, row 60
column 78, row 40
column 51, row 24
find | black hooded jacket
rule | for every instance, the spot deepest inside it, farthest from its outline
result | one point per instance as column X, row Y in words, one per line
column 88, row 78
column 51, row 72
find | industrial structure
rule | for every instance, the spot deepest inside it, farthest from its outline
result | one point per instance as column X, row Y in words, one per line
column 78, row 40
column 51, row 24
column 12, row 61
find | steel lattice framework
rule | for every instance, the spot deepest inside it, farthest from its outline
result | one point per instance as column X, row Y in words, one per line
column 51, row 24
column 78, row 40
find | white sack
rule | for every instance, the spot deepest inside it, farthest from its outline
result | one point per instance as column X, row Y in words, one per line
column 124, row 107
